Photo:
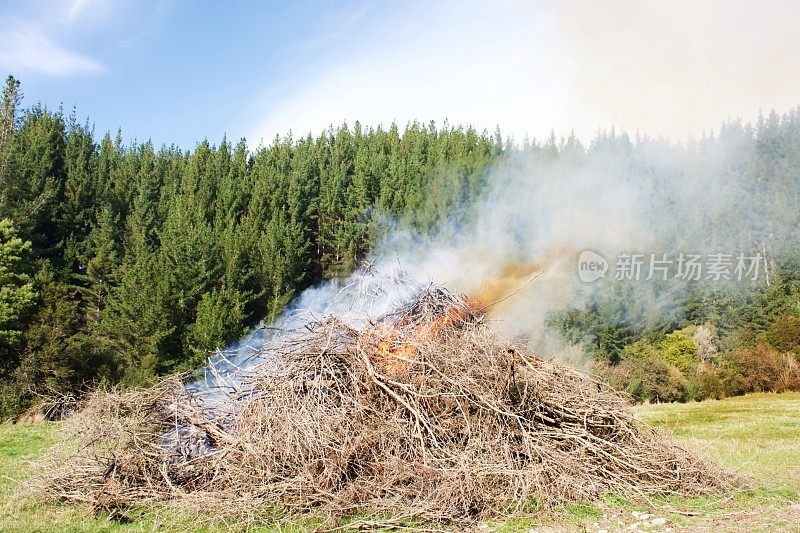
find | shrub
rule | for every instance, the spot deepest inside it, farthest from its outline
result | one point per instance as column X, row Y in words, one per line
column 784, row 335
column 13, row 400
column 679, row 349
column 706, row 383
column 640, row 349
column 648, row 379
column 759, row 368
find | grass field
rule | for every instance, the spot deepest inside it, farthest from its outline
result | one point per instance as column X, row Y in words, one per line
column 758, row 435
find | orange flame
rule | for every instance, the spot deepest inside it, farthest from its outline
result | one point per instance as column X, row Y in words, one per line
column 394, row 354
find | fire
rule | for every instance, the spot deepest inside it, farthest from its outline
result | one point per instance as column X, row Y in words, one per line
column 396, row 350
column 394, row 354
column 397, row 345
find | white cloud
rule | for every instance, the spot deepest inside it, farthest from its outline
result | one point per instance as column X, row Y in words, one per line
column 673, row 69
column 26, row 48
column 92, row 13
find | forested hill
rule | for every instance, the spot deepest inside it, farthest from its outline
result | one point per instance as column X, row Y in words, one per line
column 125, row 260
column 122, row 261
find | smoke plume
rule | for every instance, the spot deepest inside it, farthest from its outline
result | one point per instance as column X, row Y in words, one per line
column 514, row 250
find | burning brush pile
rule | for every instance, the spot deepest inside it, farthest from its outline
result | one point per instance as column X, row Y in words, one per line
column 420, row 413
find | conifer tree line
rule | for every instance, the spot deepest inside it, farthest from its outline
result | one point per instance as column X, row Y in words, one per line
column 120, row 262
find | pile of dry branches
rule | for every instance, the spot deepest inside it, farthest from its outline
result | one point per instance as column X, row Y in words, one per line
column 424, row 413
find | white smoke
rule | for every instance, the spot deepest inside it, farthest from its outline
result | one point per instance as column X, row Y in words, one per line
column 537, row 216
column 516, row 247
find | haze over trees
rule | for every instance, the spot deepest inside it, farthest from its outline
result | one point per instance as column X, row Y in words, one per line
column 121, row 261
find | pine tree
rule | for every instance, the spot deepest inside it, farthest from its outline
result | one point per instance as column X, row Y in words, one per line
column 220, row 315
column 335, row 177
column 59, row 356
column 78, row 206
column 99, row 266
column 16, row 293
column 33, row 181
column 8, row 116
column 139, row 317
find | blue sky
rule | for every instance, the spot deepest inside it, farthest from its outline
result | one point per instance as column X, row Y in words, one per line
column 171, row 70
column 179, row 71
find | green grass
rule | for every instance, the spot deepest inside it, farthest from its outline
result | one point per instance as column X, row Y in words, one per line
column 20, row 446
column 757, row 435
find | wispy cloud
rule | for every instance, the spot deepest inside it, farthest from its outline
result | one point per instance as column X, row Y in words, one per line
column 76, row 7
column 27, row 49
column 92, row 13
column 38, row 36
